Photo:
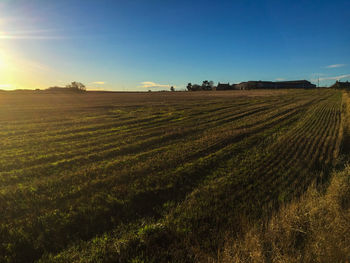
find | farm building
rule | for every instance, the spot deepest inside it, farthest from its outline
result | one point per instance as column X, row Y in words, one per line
column 341, row 85
column 225, row 86
column 295, row 84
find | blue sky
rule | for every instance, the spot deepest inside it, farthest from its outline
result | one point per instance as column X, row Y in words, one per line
column 141, row 45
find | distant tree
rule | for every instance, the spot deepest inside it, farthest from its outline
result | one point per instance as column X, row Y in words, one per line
column 76, row 86
column 172, row 88
column 73, row 87
column 189, row 87
column 196, row 87
column 207, row 85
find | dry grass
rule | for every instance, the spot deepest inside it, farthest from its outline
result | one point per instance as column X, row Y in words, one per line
column 30, row 98
column 149, row 177
column 314, row 229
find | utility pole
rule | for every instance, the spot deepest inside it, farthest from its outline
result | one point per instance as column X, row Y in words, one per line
column 318, row 82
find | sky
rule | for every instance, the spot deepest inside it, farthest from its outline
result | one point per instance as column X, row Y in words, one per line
column 155, row 44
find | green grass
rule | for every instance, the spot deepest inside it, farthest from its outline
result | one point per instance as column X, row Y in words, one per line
column 155, row 177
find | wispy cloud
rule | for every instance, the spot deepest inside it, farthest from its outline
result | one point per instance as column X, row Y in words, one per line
column 30, row 37
column 36, row 34
column 336, row 66
column 336, row 77
column 99, row 82
column 280, row 79
column 150, row 84
column 43, row 34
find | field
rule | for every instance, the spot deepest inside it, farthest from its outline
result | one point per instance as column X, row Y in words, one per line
column 155, row 177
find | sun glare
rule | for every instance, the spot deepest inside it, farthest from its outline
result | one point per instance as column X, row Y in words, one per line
column 6, row 86
column 6, row 76
column 2, row 63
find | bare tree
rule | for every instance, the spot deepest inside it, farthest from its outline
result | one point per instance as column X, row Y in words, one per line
column 78, row 86
column 207, row 85
column 189, row 86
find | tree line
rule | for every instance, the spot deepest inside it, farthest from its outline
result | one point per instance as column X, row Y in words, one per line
column 206, row 85
column 74, row 87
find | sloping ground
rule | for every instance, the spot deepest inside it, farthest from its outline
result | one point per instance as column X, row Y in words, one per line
column 155, row 178
column 315, row 228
